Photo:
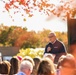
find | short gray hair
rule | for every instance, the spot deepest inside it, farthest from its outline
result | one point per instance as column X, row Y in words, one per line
column 52, row 33
column 26, row 65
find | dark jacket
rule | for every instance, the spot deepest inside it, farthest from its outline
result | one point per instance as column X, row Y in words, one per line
column 58, row 49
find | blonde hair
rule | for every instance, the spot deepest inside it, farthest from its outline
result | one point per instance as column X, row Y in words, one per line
column 5, row 67
column 29, row 59
column 49, row 55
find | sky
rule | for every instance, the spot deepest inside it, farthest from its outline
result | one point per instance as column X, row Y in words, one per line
column 37, row 23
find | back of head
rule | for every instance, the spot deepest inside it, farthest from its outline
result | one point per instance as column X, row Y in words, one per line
column 29, row 59
column 67, row 65
column 36, row 62
column 70, row 58
column 26, row 65
column 46, row 67
column 49, row 55
column 67, row 59
column 14, row 65
column 5, row 66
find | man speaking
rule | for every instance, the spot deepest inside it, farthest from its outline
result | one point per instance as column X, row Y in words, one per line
column 55, row 47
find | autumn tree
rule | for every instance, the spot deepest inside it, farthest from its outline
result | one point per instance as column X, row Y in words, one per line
column 60, row 8
column 9, row 35
column 4, row 32
column 20, row 37
column 43, row 36
column 33, row 40
column 62, row 36
column 15, row 34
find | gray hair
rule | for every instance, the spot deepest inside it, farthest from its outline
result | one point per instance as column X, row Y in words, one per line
column 26, row 65
column 52, row 33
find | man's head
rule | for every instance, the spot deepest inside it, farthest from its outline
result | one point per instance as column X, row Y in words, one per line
column 26, row 67
column 52, row 37
column 67, row 64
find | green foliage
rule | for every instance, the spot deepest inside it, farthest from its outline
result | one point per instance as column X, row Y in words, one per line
column 3, row 36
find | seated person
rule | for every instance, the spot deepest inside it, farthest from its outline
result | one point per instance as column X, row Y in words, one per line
column 67, row 65
column 46, row 67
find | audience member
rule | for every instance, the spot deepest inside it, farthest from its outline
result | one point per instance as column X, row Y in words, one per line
column 67, row 65
column 36, row 62
column 29, row 59
column 49, row 55
column 5, row 68
column 26, row 68
column 46, row 67
column 14, row 65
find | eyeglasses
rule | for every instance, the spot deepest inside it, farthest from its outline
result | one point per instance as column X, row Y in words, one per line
column 50, row 36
